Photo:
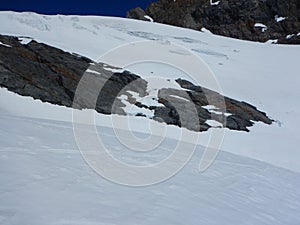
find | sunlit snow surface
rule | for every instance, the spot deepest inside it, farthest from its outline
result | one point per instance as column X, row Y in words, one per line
column 44, row 179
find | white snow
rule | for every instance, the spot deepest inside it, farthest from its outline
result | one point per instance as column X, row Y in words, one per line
column 209, row 107
column 154, row 85
column 158, row 76
column 243, row 74
column 149, row 100
column 214, row 123
column 214, row 3
column 262, row 26
column 44, row 180
column 92, row 71
column 214, row 109
column 178, row 97
column 272, row 41
column 112, row 69
column 5, row 45
column 204, row 30
column 290, row 36
column 133, row 110
column 279, row 18
column 149, row 18
column 25, row 40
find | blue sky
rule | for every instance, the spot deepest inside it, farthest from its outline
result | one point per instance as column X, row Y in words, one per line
column 82, row 7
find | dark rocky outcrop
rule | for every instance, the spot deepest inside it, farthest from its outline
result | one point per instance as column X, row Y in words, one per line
column 228, row 112
column 137, row 13
column 294, row 39
column 231, row 18
column 52, row 75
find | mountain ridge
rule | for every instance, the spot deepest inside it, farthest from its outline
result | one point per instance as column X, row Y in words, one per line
column 255, row 20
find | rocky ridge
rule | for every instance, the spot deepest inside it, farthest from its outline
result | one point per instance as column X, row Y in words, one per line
column 254, row 20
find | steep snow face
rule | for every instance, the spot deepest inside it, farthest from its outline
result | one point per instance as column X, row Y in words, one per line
column 245, row 70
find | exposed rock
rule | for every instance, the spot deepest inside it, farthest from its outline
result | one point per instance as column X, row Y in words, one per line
column 232, row 18
column 52, row 75
column 290, row 39
column 188, row 109
column 137, row 13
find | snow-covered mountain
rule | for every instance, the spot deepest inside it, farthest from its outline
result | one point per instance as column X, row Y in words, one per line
column 254, row 180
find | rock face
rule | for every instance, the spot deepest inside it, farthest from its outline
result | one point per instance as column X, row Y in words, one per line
column 52, row 75
column 230, row 113
column 255, row 20
column 137, row 13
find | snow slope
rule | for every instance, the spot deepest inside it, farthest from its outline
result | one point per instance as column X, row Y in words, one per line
column 44, row 179
column 264, row 75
